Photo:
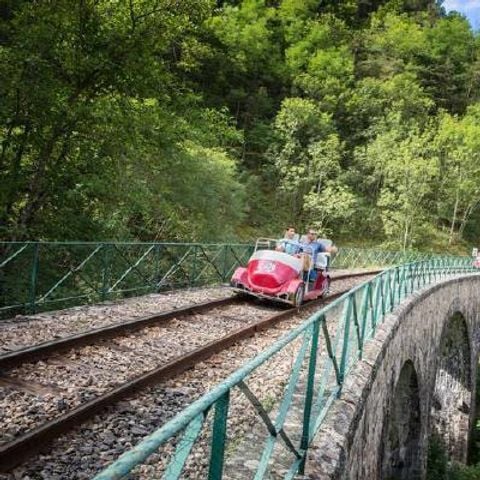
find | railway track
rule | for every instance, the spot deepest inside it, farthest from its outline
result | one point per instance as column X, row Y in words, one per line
column 20, row 370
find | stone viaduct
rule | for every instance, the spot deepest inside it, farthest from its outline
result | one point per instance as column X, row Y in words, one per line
column 416, row 380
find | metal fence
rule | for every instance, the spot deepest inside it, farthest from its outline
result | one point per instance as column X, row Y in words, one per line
column 281, row 412
column 374, row 257
column 39, row 276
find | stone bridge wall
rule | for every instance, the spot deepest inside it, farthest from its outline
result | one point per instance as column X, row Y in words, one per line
column 416, row 379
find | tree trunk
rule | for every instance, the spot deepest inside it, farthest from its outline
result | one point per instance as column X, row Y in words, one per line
column 405, row 236
column 468, row 211
column 454, row 219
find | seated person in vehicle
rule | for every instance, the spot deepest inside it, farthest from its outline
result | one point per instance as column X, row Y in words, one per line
column 289, row 243
column 312, row 247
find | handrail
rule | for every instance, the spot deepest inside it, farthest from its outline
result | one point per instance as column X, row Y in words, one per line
column 321, row 352
column 40, row 276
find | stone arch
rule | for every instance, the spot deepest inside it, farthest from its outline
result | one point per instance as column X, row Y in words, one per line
column 401, row 456
column 452, row 393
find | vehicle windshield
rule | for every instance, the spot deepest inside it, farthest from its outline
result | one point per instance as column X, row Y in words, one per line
column 292, row 246
column 265, row 244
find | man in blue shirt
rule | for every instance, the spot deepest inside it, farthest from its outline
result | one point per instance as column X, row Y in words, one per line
column 311, row 246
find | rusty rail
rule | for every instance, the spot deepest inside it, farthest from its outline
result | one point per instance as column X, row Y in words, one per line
column 36, row 440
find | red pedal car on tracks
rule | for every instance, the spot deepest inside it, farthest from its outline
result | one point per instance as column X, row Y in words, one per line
column 277, row 275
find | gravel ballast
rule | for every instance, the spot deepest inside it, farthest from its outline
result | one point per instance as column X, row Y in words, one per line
column 25, row 330
column 54, row 385
column 83, row 452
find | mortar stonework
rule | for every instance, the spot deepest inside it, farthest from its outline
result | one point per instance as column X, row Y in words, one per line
column 352, row 441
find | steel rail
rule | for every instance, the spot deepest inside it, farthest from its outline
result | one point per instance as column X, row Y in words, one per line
column 51, row 347
column 41, row 350
column 16, row 452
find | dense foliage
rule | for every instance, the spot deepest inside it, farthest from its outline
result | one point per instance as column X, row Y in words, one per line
column 440, row 468
column 203, row 120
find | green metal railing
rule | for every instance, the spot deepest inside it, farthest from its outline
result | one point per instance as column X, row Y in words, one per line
column 372, row 257
column 319, row 354
column 39, row 276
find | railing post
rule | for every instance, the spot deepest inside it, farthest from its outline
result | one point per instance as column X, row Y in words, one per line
column 312, row 365
column 156, row 273
column 398, row 289
column 194, row 266
column 225, row 268
column 346, row 338
column 364, row 312
column 219, row 434
column 389, row 290
column 34, row 277
column 375, row 304
column 382, row 290
column 105, row 271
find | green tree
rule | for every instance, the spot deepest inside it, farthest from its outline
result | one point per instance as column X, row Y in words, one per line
column 98, row 135
column 301, row 128
column 458, row 144
column 405, row 170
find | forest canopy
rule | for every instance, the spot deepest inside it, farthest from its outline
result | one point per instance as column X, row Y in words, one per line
column 200, row 120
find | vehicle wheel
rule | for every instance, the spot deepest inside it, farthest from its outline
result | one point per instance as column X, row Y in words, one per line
column 298, row 298
column 242, row 295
